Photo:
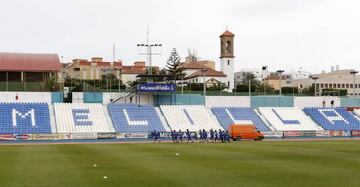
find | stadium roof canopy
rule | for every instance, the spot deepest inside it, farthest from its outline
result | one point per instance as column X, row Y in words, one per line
column 29, row 62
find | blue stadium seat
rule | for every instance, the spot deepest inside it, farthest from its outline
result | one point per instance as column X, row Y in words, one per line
column 24, row 118
column 243, row 115
column 132, row 118
column 334, row 118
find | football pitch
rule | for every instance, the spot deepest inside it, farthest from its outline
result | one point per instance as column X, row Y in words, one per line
column 274, row 163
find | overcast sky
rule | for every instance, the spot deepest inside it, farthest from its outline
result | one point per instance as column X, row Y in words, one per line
column 286, row 34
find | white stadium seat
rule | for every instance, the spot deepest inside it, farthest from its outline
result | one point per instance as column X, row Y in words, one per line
column 81, row 118
column 192, row 117
column 289, row 119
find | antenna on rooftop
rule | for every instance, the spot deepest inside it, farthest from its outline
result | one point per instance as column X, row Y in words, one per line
column 147, row 34
column 114, row 49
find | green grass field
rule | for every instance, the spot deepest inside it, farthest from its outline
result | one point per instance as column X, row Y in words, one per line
column 290, row 164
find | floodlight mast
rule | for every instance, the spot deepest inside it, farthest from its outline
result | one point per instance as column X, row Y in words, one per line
column 149, row 53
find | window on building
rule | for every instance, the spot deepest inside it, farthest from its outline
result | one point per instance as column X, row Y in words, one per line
column 326, row 85
column 321, row 85
column 343, row 86
column 228, row 62
column 347, row 85
column 351, row 85
column 339, row 85
column 334, row 85
column 356, row 86
column 228, row 83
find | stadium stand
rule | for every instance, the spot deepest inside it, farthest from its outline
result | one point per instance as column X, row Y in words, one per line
column 132, row 118
column 81, row 118
column 192, row 117
column 24, row 118
column 334, row 118
column 357, row 112
column 288, row 119
column 239, row 115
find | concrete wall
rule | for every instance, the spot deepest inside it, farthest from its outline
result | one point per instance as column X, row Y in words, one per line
column 350, row 102
column 108, row 96
column 272, row 101
column 93, row 97
column 227, row 101
column 26, row 97
column 302, row 102
column 57, row 97
column 77, row 97
column 179, row 99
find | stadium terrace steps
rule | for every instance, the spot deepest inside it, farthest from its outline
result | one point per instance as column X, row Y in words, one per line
column 162, row 119
column 238, row 115
column 24, row 118
column 334, row 118
column 81, row 118
column 133, row 118
column 288, row 119
column 52, row 119
column 264, row 120
column 192, row 117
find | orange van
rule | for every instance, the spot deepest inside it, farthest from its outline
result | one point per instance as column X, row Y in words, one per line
column 239, row 132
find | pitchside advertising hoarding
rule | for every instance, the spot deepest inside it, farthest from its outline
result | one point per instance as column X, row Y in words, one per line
column 273, row 134
column 132, row 135
column 355, row 133
column 156, row 87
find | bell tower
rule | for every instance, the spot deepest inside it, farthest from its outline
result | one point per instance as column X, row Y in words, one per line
column 227, row 58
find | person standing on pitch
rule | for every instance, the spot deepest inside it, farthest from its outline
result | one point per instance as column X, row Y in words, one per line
column 221, row 134
column 176, row 136
column 172, row 136
column 205, row 136
column 158, row 136
column 181, row 134
column 200, row 135
column 211, row 135
column 154, row 134
column 188, row 135
column 227, row 136
column 216, row 136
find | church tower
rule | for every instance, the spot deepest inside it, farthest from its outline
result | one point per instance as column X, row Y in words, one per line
column 227, row 58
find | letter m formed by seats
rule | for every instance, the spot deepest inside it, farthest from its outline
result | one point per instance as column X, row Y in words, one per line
column 16, row 114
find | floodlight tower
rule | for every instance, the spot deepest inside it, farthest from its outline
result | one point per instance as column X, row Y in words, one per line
column 149, row 53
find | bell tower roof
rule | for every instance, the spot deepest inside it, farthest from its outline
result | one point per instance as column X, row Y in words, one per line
column 227, row 33
column 227, row 45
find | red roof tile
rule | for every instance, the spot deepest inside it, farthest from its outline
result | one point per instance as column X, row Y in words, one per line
column 193, row 65
column 133, row 71
column 107, row 64
column 208, row 73
column 29, row 62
